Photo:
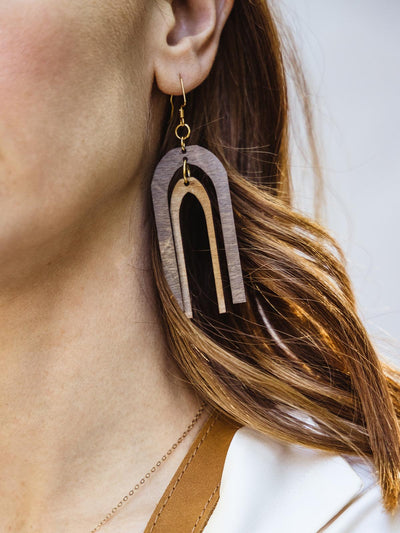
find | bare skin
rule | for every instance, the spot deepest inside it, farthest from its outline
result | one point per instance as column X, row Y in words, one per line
column 89, row 398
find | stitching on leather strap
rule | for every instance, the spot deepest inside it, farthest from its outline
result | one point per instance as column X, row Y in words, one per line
column 185, row 467
column 205, row 508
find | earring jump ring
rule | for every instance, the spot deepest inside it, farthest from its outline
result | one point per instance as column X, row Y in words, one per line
column 183, row 137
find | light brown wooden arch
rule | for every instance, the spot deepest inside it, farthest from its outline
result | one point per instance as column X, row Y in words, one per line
column 179, row 192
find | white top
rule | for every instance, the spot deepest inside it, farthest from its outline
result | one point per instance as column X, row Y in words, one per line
column 269, row 487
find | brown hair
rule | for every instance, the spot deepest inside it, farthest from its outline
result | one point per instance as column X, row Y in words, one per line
column 294, row 361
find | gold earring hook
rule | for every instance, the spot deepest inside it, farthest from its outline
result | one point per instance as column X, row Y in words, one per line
column 183, row 92
column 182, row 123
column 172, row 102
column 172, row 107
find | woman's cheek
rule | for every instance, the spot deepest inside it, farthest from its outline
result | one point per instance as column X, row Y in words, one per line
column 66, row 140
column 44, row 84
column 36, row 59
column 64, row 129
column 36, row 54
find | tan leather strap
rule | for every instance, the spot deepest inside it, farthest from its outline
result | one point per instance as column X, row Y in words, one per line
column 193, row 493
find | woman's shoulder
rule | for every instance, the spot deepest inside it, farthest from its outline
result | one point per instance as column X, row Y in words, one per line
column 270, row 486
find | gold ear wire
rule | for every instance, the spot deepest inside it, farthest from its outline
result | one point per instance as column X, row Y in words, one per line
column 183, row 92
column 182, row 105
column 182, row 124
column 172, row 108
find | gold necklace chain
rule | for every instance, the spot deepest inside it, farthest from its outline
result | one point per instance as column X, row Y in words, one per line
column 152, row 470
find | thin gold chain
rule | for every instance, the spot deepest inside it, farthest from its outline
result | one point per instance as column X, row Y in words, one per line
column 152, row 470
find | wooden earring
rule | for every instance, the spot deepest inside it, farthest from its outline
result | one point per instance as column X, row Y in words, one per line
column 167, row 213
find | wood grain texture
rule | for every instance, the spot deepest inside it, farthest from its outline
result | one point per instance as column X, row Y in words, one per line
column 197, row 189
column 210, row 165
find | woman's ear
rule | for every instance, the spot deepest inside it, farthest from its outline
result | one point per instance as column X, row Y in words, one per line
column 185, row 41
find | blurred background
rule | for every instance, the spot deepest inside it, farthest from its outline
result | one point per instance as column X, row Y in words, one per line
column 351, row 53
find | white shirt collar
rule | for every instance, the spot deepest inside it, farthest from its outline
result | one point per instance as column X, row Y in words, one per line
column 270, row 487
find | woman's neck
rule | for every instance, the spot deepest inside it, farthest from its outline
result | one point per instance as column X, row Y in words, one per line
column 89, row 398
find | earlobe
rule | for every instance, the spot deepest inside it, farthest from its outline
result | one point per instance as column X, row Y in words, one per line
column 187, row 41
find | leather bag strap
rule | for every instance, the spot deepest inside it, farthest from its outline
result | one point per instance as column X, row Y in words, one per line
column 193, row 492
